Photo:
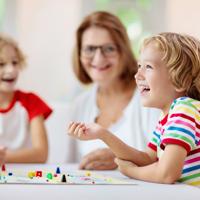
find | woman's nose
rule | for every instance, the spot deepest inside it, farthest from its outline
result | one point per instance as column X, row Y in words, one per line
column 98, row 57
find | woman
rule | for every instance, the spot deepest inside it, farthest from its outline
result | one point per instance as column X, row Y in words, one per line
column 103, row 59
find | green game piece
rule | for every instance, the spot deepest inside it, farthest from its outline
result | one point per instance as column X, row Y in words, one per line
column 49, row 176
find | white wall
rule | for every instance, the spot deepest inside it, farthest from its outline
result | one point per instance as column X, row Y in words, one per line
column 45, row 31
column 183, row 16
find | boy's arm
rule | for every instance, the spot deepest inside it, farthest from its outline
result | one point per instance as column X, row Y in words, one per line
column 119, row 148
column 38, row 152
column 125, row 152
column 167, row 170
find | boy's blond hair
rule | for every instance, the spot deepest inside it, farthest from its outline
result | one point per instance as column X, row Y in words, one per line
column 7, row 41
column 182, row 57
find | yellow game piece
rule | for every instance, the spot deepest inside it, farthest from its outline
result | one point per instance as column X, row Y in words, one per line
column 31, row 174
column 87, row 173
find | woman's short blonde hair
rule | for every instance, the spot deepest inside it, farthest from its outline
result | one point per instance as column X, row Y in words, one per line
column 182, row 57
column 7, row 41
column 118, row 33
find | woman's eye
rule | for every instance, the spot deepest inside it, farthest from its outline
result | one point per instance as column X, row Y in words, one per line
column 109, row 49
column 90, row 49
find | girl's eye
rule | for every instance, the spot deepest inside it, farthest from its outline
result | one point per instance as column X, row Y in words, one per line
column 2, row 64
column 15, row 62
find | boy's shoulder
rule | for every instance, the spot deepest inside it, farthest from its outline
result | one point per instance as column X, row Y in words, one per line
column 186, row 102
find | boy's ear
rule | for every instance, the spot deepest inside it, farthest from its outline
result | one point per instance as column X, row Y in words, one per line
column 180, row 89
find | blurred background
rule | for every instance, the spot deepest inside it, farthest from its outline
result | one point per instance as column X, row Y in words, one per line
column 45, row 31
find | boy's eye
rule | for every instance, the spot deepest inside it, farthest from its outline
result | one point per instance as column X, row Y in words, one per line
column 139, row 66
column 149, row 67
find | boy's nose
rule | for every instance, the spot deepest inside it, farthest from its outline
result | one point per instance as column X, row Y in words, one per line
column 139, row 75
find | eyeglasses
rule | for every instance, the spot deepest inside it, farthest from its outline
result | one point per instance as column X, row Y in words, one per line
column 108, row 50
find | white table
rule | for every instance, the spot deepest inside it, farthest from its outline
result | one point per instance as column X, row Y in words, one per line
column 140, row 191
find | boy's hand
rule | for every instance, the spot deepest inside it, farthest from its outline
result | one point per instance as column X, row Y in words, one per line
column 2, row 154
column 125, row 166
column 83, row 131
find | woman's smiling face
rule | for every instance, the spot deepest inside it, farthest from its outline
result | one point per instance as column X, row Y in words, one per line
column 100, row 55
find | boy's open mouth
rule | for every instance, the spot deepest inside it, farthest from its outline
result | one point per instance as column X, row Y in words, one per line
column 144, row 89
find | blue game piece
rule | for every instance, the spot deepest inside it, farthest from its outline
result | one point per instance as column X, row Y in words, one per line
column 58, row 170
column 10, row 174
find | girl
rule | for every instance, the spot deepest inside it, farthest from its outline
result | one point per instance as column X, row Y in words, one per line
column 168, row 78
column 22, row 114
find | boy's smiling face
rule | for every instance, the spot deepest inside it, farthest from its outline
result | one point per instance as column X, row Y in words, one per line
column 153, row 79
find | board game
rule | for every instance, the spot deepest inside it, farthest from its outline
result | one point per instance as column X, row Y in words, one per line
column 78, row 177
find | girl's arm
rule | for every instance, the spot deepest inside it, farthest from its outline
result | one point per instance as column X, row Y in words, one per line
column 119, row 148
column 38, row 152
column 2, row 154
column 167, row 170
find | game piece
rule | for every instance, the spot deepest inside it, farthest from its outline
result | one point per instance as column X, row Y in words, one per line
column 3, row 168
column 67, row 177
column 38, row 174
column 58, row 170
column 31, row 174
column 63, row 180
column 49, row 176
column 87, row 173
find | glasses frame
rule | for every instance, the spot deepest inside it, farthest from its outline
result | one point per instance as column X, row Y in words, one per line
column 103, row 49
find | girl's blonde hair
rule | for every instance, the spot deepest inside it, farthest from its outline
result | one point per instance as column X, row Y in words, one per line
column 118, row 33
column 7, row 41
column 182, row 57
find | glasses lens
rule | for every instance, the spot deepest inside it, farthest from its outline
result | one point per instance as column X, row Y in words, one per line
column 88, row 51
column 109, row 50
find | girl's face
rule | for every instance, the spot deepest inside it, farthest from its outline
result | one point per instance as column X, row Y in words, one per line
column 100, row 56
column 153, row 80
column 9, row 68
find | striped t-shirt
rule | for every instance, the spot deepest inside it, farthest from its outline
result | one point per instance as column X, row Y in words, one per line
column 181, row 127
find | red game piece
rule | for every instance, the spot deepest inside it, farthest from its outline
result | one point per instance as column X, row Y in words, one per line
column 3, row 168
column 38, row 174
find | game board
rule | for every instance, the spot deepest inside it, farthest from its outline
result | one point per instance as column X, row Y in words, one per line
column 67, row 178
